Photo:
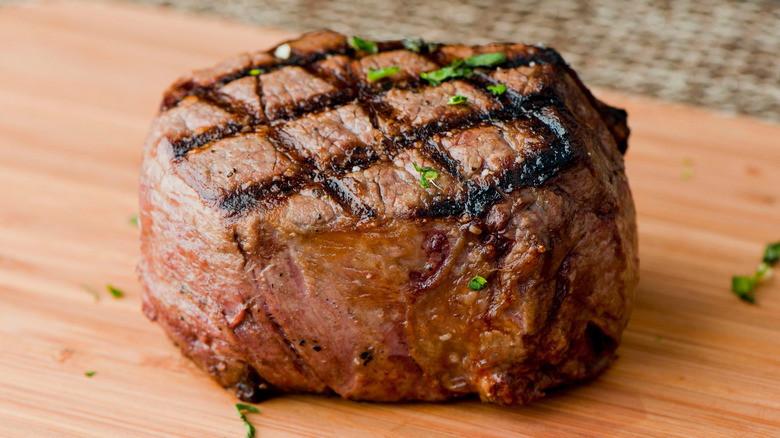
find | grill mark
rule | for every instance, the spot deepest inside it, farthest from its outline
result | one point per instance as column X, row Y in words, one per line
column 338, row 82
column 361, row 157
column 373, row 114
column 224, row 102
column 480, row 199
column 388, row 146
column 355, row 208
column 260, row 94
column 535, row 171
column 319, row 103
column 260, row 98
column 444, row 208
column 289, row 149
column 270, row 193
column 182, row 145
column 441, row 157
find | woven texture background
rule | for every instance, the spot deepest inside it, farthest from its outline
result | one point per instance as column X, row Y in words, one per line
column 718, row 53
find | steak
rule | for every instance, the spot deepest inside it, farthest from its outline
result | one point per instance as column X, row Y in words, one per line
column 323, row 219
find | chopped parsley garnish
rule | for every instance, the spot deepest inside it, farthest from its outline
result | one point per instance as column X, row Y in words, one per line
column 361, row 44
column 454, row 70
column 375, row 75
column 461, row 68
column 772, row 253
column 477, row 283
column 114, row 291
column 486, row 60
column 744, row 287
column 457, row 99
column 89, row 373
column 426, row 173
column 419, row 45
column 91, row 291
column 497, row 90
column 254, row 72
column 240, row 408
column 134, row 220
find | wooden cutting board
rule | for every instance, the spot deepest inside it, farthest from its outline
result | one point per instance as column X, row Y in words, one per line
column 79, row 84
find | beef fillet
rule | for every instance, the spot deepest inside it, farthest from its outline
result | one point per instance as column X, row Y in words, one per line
column 306, row 229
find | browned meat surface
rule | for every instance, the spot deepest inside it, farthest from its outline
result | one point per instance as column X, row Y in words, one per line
column 289, row 244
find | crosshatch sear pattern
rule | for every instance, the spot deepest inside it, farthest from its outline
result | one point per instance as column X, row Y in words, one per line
column 308, row 228
column 258, row 127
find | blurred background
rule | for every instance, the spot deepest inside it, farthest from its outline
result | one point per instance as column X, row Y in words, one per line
column 721, row 54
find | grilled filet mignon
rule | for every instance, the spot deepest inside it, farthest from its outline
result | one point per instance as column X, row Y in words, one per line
column 306, row 229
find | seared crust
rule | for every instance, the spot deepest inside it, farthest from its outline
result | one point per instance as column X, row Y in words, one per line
column 288, row 244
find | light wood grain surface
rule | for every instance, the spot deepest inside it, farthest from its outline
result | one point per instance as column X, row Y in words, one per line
column 79, row 84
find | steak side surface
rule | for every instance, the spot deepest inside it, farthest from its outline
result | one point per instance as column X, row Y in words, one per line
column 306, row 229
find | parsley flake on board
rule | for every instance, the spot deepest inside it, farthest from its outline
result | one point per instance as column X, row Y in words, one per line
column 745, row 287
column 360, row 44
column 134, row 220
column 426, row 173
column 116, row 293
column 375, row 75
column 240, row 408
column 687, row 171
column 91, row 291
column 477, row 283
column 772, row 253
column 497, row 90
column 89, row 373
column 457, row 100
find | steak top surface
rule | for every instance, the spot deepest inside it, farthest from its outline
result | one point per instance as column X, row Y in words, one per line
column 313, row 216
